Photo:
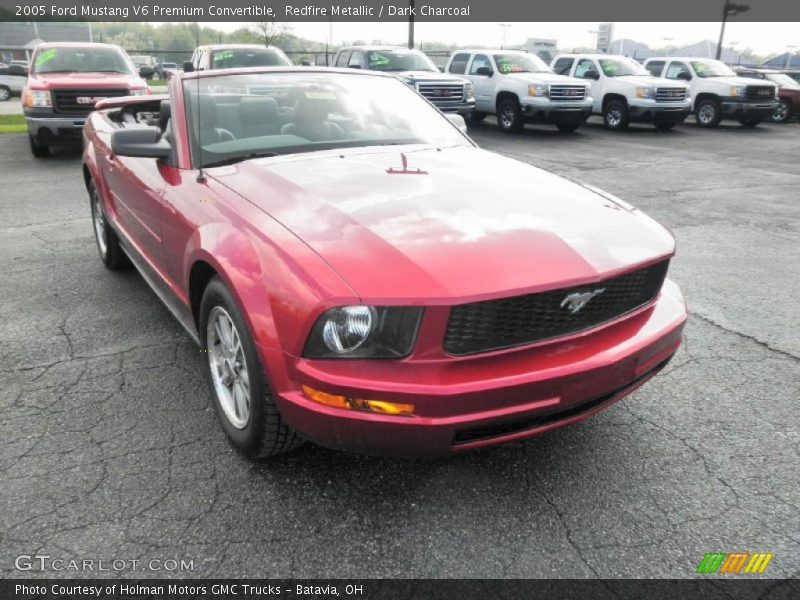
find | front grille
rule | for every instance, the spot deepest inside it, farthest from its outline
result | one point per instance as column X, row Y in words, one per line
column 504, row 428
column 496, row 324
column 82, row 101
column 760, row 92
column 442, row 92
column 567, row 93
column 670, row 94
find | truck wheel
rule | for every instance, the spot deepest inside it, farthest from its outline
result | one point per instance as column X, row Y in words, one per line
column 568, row 127
column 475, row 117
column 5, row 93
column 783, row 112
column 242, row 398
column 664, row 126
column 750, row 122
column 108, row 246
column 509, row 116
column 615, row 115
column 37, row 149
column 708, row 112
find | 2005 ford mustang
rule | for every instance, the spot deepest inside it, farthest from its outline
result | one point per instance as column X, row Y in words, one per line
column 358, row 273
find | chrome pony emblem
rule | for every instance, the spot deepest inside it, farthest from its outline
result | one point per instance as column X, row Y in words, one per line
column 577, row 300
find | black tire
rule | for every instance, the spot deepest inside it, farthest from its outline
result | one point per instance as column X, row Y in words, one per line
column 265, row 432
column 664, row 126
column 475, row 117
column 615, row 114
column 5, row 93
column 568, row 127
column 708, row 112
column 783, row 112
column 112, row 255
column 750, row 123
column 38, row 150
column 509, row 116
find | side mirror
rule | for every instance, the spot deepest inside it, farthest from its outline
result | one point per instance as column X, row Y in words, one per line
column 146, row 72
column 441, row 69
column 141, row 142
column 484, row 71
column 458, row 121
column 591, row 74
column 188, row 67
column 685, row 75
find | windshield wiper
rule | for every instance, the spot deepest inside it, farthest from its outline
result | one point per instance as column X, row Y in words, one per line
column 232, row 160
column 56, row 71
column 111, row 71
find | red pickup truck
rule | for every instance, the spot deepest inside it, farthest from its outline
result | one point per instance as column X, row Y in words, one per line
column 64, row 83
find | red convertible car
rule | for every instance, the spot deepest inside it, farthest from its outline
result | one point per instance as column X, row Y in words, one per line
column 358, row 273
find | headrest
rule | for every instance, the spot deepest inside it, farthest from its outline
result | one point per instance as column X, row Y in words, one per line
column 164, row 114
column 205, row 110
column 311, row 109
column 255, row 110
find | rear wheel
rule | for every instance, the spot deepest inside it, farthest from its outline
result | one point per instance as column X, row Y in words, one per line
column 782, row 112
column 5, row 93
column 750, row 122
column 108, row 247
column 37, row 149
column 615, row 114
column 509, row 116
column 568, row 127
column 242, row 398
column 664, row 126
column 708, row 112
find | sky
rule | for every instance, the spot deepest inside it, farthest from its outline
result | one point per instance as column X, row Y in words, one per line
column 763, row 38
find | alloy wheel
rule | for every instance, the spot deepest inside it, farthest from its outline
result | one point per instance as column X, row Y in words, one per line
column 781, row 112
column 614, row 117
column 706, row 114
column 99, row 225
column 228, row 367
column 507, row 117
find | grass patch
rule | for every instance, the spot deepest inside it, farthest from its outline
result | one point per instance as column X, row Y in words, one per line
column 13, row 124
column 157, row 83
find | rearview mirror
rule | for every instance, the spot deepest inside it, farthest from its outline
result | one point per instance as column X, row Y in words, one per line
column 188, row 67
column 146, row 72
column 458, row 121
column 141, row 142
column 484, row 71
column 591, row 74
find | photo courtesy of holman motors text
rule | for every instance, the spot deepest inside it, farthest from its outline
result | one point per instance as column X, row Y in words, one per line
column 399, row 299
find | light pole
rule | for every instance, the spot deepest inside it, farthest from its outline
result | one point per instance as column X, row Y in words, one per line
column 667, row 45
column 504, row 27
column 729, row 9
column 411, row 25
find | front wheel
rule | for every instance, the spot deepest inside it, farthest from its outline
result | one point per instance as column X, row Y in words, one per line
column 5, row 93
column 708, row 113
column 782, row 112
column 108, row 247
column 750, row 122
column 242, row 398
column 475, row 117
column 38, row 150
column 509, row 116
column 615, row 115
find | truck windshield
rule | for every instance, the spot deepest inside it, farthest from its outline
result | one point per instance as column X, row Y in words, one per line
column 520, row 63
column 711, row 68
column 234, row 58
column 621, row 67
column 81, row 60
column 236, row 117
column 399, row 60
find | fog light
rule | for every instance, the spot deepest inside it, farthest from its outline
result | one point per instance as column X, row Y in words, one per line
column 375, row 406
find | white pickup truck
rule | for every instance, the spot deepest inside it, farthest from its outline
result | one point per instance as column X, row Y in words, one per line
column 624, row 92
column 12, row 80
column 520, row 88
column 716, row 91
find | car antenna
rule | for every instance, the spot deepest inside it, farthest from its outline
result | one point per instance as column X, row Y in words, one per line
column 201, row 176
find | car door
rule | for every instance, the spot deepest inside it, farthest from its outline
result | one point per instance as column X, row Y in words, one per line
column 583, row 68
column 483, row 84
column 357, row 60
column 563, row 65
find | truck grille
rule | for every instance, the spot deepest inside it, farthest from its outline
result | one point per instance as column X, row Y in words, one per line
column 82, row 101
column 442, row 93
column 760, row 92
column 567, row 93
column 496, row 324
column 670, row 94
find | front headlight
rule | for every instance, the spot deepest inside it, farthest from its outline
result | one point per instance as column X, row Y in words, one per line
column 364, row 332
column 139, row 92
column 38, row 99
column 738, row 91
column 468, row 91
column 537, row 90
column 645, row 92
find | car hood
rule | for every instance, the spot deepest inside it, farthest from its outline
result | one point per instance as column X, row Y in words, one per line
column 469, row 224
column 739, row 81
column 650, row 80
column 429, row 76
column 86, row 80
column 544, row 78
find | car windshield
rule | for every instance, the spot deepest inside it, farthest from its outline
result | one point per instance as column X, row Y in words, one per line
column 622, row 67
column 235, row 117
column 783, row 80
column 399, row 60
column 233, row 58
column 81, row 60
column 711, row 68
column 520, row 63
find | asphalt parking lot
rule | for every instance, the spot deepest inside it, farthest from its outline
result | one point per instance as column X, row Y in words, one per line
column 111, row 450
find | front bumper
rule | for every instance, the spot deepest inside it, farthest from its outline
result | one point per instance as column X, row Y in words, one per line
column 736, row 108
column 463, row 108
column 650, row 111
column 536, row 110
column 482, row 400
column 48, row 128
